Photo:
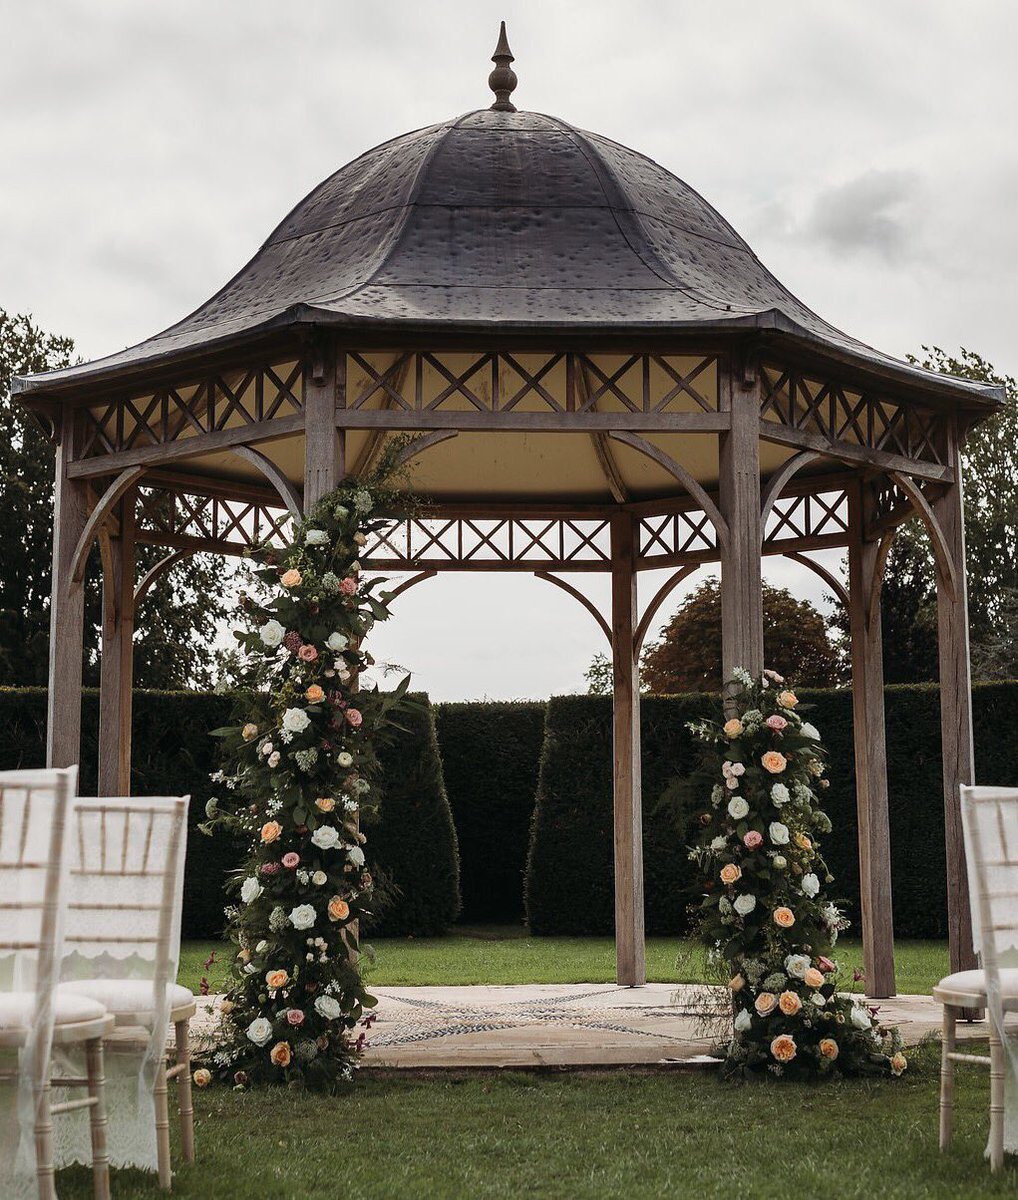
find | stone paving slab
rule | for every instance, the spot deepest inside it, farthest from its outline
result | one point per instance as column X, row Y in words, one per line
column 561, row 1025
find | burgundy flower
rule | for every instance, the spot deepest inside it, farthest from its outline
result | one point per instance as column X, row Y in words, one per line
column 293, row 641
column 269, row 868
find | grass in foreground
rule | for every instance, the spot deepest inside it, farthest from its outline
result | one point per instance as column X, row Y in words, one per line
column 585, row 1136
column 507, row 954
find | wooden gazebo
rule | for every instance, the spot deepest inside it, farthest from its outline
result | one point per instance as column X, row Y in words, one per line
column 606, row 379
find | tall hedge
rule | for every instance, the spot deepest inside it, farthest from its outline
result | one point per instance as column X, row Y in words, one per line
column 490, row 755
column 412, row 843
column 569, row 876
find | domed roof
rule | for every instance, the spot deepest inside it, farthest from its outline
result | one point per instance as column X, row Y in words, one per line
column 501, row 221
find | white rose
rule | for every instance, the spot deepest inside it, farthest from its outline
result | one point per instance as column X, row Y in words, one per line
column 778, row 833
column 743, row 1022
column 328, row 1007
column 797, row 965
column 809, row 731
column 250, row 889
column 719, row 843
column 319, row 879
column 819, row 999
column 274, row 759
column 325, row 837
column 356, row 855
column 260, row 1031
column 745, row 904
column 296, row 720
column 810, row 885
column 344, row 758
column 261, row 947
column 737, row 808
column 337, row 641
column 859, row 1017
column 779, row 794
column 303, row 916
column 315, row 537
column 738, row 769
column 271, row 634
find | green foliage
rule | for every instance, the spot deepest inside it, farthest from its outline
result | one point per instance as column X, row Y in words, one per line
column 490, row 754
column 687, row 655
column 413, row 841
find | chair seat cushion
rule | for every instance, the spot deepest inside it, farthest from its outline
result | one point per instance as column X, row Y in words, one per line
column 965, row 986
column 123, row 997
column 17, row 1009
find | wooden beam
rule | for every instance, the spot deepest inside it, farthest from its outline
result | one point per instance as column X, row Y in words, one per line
column 776, row 484
column 865, row 565
column 515, row 420
column 324, row 444
column 660, row 596
column 576, row 594
column 67, row 605
column 630, row 960
column 849, row 452
column 289, row 495
column 116, row 663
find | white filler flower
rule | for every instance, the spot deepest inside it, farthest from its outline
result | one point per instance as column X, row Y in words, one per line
column 315, row 537
column 260, row 1030
column 325, row 837
column 737, row 808
column 296, row 720
column 303, row 916
column 250, row 889
column 329, row 1007
column 745, row 904
column 271, row 634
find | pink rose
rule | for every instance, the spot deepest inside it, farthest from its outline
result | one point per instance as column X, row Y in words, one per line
column 308, row 654
column 825, row 964
column 776, row 723
column 353, row 717
column 294, row 1016
column 347, row 586
column 750, row 840
column 291, row 860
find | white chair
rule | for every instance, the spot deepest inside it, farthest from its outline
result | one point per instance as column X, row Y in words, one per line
column 121, row 948
column 990, row 823
column 34, row 1018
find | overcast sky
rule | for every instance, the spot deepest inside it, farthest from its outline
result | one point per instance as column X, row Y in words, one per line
column 867, row 151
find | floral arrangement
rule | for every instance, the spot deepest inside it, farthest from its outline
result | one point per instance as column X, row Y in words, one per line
column 299, row 766
column 764, row 917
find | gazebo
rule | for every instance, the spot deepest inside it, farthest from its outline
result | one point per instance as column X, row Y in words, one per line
column 605, row 379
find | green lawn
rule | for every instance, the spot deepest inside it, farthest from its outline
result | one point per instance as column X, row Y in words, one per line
column 496, row 954
column 585, row 1136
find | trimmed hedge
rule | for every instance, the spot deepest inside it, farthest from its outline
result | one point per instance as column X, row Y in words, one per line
column 569, row 876
column 490, row 754
column 173, row 755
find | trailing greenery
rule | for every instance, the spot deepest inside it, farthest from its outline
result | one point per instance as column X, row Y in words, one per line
column 490, row 756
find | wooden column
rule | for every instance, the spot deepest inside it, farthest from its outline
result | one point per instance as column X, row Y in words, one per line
column 739, row 501
column 955, row 712
column 630, row 964
column 116, row 663
column 67, row 606
column 864, row 568
column 324, row 444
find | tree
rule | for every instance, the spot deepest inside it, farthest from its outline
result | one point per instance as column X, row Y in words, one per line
column 176, row 625
column 687, row 656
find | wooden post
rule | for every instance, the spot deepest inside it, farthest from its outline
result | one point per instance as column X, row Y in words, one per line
column 630, row 962
column 955, row 713
column 116, row 664
column 739, row 501
column 67, row 606
column 864, row 567
column 324, row 444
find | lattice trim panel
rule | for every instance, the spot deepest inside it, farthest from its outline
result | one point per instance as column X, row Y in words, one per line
column 216, row 403
column 860, row 418
column 810, row 519
column 183, row 519
column 555, row 383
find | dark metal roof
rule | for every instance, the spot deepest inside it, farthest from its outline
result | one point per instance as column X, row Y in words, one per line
column 500, row 221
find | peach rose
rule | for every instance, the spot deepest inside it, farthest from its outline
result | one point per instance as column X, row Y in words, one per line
column 339, row 910
column 783, row 1048
column 787, row 699
column 291, row 578
column 813, row 978
column 732, row 729
column 202, row 1077
column 789, row 1003
column 784, row 917
column 307, row 653
column 730, row 873
column 271, row 831
column 765, row 1003
column 803, row 842
column 249, row 732
column 280, row 1054
column 314, row 694
column 774, row 762
column 325, row 804
column 898, row 1063
column 276, row 979
column 829, row 1048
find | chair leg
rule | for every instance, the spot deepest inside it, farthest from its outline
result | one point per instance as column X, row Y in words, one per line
column 186, row 1112
column 44, row 1144
column 96, row 1073
column 162, row 1128
column 947, row 1076
column 996, row 1102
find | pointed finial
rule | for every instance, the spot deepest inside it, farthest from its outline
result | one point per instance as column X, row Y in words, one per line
column 502, row 80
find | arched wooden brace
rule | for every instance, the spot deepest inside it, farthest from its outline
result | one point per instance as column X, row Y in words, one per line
column 660, row 596
column 157, row 569
column 832, row 581
column 576, row 594
column 941, row 551
column 872, row 598
column 411, row 582
column 288, row 493
column 678, row 472
column 97, row 518
column 776, row 483
column 424, row 442
column 116, row 660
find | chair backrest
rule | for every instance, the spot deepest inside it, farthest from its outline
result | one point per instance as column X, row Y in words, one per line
column 990, row 823
column 126, row 888
column 34, row 809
